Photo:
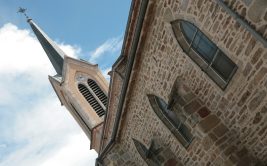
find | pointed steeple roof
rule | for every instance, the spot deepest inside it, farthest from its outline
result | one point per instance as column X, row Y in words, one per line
column 54, row 53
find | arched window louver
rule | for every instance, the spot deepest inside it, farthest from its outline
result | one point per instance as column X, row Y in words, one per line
column 204, row 52
column 97, row 90
column 91, row 100
column 171, row 120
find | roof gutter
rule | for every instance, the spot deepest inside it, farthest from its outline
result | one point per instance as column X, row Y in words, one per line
column 129, row 67
column 242, row 22
column 125, row 36
column 113, row 66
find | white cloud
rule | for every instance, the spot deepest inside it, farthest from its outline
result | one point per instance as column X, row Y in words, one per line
column 75, row 145
column 21, row 52
column 110, row 46
column 35, row 129
column 49, row 137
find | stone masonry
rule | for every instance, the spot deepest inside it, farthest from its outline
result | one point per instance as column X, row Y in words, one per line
column 229, row 126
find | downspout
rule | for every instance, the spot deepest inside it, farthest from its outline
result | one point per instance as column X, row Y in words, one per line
column 243, row 23
column 130, row 63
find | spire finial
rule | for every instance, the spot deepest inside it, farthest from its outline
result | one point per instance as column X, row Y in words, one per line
column 23, row 11
column 54, row 53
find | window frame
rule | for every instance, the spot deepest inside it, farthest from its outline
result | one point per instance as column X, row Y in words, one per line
column 199, row 59
column 147, row 154
column 177, row 131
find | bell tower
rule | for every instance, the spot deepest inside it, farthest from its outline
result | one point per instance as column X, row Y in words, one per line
column 80, row 87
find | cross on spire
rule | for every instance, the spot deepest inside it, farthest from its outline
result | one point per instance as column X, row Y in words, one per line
column 23, row 11
column 54, row 53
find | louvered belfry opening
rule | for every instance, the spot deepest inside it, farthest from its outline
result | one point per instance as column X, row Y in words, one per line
column 91, row 100
column 97, row 90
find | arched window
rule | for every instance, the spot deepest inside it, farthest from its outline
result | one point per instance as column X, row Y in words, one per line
column 204, row 52
column 91, row 100
column 98, row 91
column 150, row 155
column 171, row 120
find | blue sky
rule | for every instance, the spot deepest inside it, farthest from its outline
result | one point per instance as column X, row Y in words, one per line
column 86, row 23
column 35, row 129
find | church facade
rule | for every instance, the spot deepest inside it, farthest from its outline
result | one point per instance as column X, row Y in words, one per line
column 189, row 87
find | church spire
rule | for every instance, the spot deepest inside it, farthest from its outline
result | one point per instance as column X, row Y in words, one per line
column 54, row 53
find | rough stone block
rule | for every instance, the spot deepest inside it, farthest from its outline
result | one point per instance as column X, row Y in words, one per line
column 264, row 110
column 233, row 159
column 250, row 46
column 260, row 63
column 247, row 69
column 207, row 143
column 257, row 118
column 223, row 103
column 247, row 2
column 171, row 162
column 244, row 98
column 221, row 140
column 203, row 112
column 220, row 130
column 229, row 150
column 184, row 5
column 256, row 56
column 218, row 161
column 242, row 152
column 245, row 161
column 192, row 106
column 262, row 130
column 213, row 137
column 209, row 123
column 255, row 102
column 258, row 77
column 256, row 10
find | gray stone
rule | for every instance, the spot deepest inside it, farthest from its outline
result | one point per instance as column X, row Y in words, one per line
column 244, row 98
column 209, row 123
column 220, row 130
column 256, row 101
column 247, row 2
column 184, row 5
column 192, row 107
column 256, row 10
column 258, row 77
column 247, row 69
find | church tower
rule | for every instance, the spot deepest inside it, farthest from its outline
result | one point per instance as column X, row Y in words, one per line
column 80, row 87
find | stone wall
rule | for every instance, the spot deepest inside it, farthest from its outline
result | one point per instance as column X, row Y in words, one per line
column 118, row 75
column 229, row 126
column 253, row 12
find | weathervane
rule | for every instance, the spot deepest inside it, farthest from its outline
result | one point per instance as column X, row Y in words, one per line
column 23, row 11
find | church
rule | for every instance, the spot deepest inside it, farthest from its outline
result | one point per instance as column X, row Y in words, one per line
column 189, row 88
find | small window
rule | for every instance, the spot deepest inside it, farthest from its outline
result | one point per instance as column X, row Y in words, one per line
column 171, row 120
column 150, row 154
column 204, row 52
